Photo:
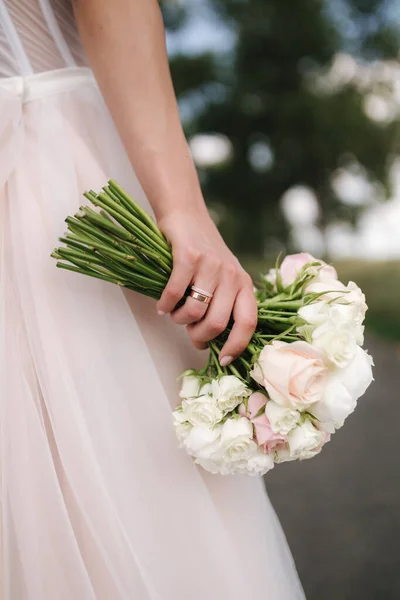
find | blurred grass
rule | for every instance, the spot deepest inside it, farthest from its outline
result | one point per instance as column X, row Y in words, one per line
column 380, row 281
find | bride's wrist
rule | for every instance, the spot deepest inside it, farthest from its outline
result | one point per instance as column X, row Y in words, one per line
column 195, row 211
column 179, row 200
column 171, row 184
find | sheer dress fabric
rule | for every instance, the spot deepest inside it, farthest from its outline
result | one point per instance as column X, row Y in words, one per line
column 97, row 502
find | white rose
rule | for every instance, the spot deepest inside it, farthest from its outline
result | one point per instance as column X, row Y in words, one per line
column 206, row 388
column 338, row 343
column 282, row 454
column 237, row 440
column 336, row 405
column 357, row 376
column 229, row 391
column 259, row 463
column 282, row 419
column 315, row 313
column 357, row 300
column 204, row 443
column 182, row 426
column 271, row 277
column 346, row 316
column 202, row 411
column 190, row 386
column 331, row 315
column 305, row 441
column 341, row 294
column 213, row 466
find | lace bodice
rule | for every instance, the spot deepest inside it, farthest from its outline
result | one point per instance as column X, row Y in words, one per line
column 37, row 36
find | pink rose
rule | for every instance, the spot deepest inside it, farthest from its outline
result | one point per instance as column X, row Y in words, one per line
column 263, row 433
column 294, row 375
column 325, row 273
column 293, row 264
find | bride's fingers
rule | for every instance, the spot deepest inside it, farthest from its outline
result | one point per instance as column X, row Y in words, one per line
column 194, row 310
column 245, row 321
column 198, row 345
column 217, row 317
column 181, row 276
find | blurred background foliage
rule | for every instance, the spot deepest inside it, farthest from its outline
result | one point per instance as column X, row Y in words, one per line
column 292, row 111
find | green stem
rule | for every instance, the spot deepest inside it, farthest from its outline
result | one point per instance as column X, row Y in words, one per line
column 252, row 349
column 112, row 259
column 145, row 217
column 214, row 349
column 280, row 313
column 154, row 257
column 92, row 232
column 132, row 224
column 274, row 319
column 289, row 305
column 81, row 243
column 83, row 271
column 234, row 371
column 86, row 257
column 245, row 363
column 96, row 219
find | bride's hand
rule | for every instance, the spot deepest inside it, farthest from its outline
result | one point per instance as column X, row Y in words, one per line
column 201, row 258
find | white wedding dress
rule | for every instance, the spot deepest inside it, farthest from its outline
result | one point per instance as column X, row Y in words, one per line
column 97, row 501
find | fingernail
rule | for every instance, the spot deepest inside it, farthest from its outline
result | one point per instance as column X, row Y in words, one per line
column 161, row 313
column 226, row 360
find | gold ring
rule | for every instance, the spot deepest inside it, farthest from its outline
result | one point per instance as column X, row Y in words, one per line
column 200, row 291
column 200, row 297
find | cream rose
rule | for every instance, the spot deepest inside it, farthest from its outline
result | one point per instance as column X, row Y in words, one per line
column 294, row 375
column 335, row 406
column 204, row 443
column 271, row 277
column 357, row 376
column 305, row 441
column 281, row 419
column 205, row 389
column 260, row 463
column 202, row 411
column 237, row 440
column 282, row 454
column 228, row 391
column 328, row 315
column 337, row 342
column 350, row 296
column 190, row 386
column 216, row 467
column 182, row 426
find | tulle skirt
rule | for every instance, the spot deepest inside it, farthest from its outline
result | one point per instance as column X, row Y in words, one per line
column 97, row 501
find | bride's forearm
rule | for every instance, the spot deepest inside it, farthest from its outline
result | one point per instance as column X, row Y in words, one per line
column 125, row 44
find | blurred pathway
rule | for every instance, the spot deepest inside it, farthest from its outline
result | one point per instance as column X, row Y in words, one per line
column 341, row 510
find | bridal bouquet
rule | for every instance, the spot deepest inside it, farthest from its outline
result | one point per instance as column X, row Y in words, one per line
column 299, row 378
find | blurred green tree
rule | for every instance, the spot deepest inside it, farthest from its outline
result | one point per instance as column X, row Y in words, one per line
column 285, row 128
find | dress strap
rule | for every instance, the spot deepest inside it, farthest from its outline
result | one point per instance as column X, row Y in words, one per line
column 14, row 40
column 56, row 33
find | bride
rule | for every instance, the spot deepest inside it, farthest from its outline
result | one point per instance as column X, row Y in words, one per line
column 97, row 502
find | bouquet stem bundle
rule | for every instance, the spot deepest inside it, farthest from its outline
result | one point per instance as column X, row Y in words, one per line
column 120, row 243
